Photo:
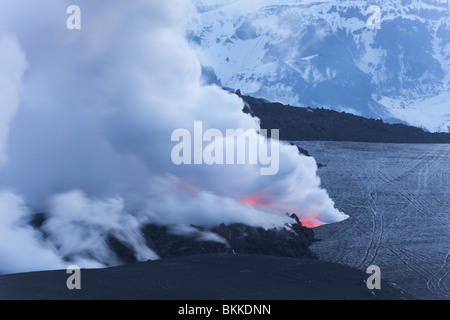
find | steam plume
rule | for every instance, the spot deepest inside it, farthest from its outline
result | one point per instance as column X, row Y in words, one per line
column 87, row 132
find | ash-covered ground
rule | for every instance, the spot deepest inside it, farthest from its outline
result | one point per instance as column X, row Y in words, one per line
column 204, row 277
column 398, row 200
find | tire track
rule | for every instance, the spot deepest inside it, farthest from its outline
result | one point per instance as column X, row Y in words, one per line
column 398, row 200
column 436, row 280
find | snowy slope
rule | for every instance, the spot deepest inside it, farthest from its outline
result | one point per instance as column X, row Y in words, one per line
column 321, row 53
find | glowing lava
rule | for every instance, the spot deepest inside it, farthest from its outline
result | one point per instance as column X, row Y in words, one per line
column 310, row 222
column 254, row 201
column 257, row 200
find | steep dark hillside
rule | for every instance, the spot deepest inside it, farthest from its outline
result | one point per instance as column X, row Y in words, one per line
column 310, row 124
column 293, row 240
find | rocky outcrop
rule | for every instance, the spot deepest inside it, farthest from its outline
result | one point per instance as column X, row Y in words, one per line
column 292, row 241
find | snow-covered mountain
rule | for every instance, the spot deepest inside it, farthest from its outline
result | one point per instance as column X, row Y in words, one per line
column 323, row 54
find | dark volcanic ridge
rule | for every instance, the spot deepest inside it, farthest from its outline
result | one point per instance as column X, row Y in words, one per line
column 293, row 240
column 318, row 124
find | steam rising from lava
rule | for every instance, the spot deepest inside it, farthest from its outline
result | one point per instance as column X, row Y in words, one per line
column 86, row 118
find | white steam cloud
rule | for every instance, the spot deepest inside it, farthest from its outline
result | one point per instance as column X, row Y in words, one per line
column 11, row 72
column 86, row 129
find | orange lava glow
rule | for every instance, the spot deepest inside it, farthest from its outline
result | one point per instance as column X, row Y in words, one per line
column 310, row 222
column 257, row 200
column 254, row 201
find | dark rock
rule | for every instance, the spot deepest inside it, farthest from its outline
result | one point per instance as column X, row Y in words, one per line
column 297, row 124
column 306, row 153
column 123, row 251
column 167, row 244
column 301, row 150
column 37, row 220
column 292, row 241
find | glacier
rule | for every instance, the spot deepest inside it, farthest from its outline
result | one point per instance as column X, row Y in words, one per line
column 322, row 54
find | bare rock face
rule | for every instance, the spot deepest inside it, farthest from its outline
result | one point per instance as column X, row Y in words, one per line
column 292, row 241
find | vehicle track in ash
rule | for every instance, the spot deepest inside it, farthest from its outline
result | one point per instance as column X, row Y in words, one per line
column 436, row 283
column 398, row 200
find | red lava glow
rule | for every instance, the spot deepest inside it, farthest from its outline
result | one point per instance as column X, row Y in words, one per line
column 310, row 222
column 254, row 201
column 257, row 200
column 187, row 188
